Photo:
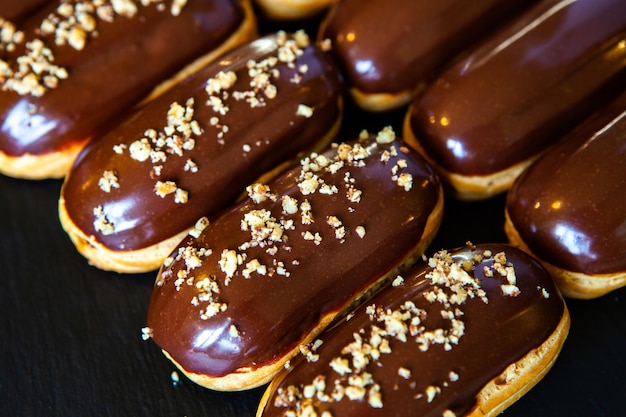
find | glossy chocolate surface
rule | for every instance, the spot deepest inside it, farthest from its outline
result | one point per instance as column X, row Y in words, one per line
column 113, row 71
column 390, row 46
column 569, row 207
column 313, row 270
column 492, row 336
column 523, row 88
column 16, row 10
column 232, row 151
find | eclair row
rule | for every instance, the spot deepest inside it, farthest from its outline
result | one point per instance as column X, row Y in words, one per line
column 266, row 235
column 406, row 347
column 501, row 79
column 512, row 95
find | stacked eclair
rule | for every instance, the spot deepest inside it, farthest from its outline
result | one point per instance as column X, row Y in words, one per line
column 247, row 290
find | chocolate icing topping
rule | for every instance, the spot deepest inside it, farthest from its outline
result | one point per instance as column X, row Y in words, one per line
column 524, row 87
column 366, row 214
column 391, row 46
column 15, row 10
column 569, row 207
column 113, row 71
column 244, row 134
column 433, row 361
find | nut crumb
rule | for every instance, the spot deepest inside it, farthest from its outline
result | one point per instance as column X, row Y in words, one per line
column 146, row 333
column 108, row 181
column 101, row 223
column 304, row 111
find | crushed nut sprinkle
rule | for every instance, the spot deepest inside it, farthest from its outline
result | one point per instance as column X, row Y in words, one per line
column 146, row 333
column 304, row 111
column 10, row 36
column 179, row 135
column 200, row 225
column 293, row 212
column 101, row 223
column 451, row 287
column 164, row 188
column 73, row 23
column 108, row 181
column 271, row 223
column 33, row 73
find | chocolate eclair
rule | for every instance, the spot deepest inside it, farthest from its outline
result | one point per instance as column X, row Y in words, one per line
column 389, row 49
column 75, row 68
column 486, row 118
column 235, row 302
column 292, row 9
column 135, row 192
column 569, row 207
column 465, row 333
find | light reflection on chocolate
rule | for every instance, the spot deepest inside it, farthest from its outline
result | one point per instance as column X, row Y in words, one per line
column 569, row 207
column 520, row 90
column 391, row 46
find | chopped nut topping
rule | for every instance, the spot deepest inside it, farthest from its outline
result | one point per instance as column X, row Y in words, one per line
column 348, row 379
column 229, row 262
column 140, row 150
column 177, row 7
column 221, row 82
column 397, row 281
column 101, row 223
column 544, row 292
column 164, row 188
column 108, row 181
column 304, row 111
column 33, row 73
column 259, row 192
column 233, row 331
column 200, row 225
column 289, row 204
column 404, row 373
column 73, row 23
column 181, row 196
column 386, row 135
column 146, row 333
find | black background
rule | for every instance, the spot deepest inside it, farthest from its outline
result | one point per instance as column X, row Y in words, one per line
column 70, row 334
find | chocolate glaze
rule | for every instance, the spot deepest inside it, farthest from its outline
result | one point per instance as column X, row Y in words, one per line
column 115, row 70
column 524, row 87
column 274, row 132
column 569, row 207
column 392, row 46
column 496, row 334
column 15, row 10
column 274, row 312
